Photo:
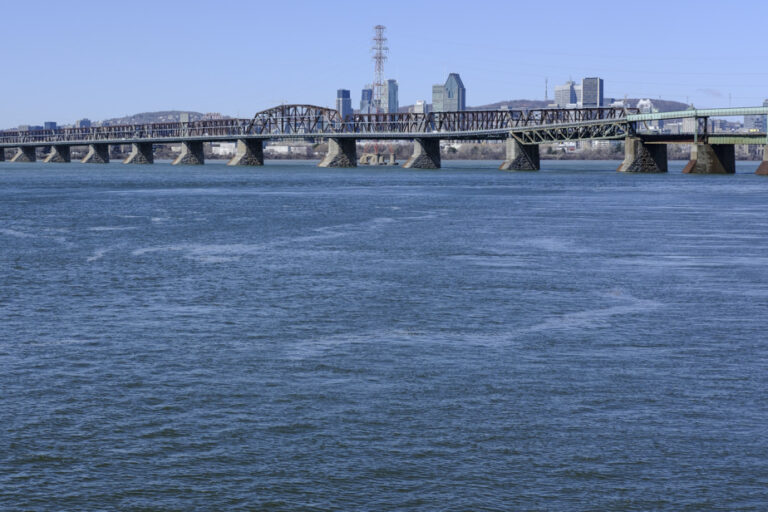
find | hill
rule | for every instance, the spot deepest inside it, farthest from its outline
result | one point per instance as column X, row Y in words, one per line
column 163, row 116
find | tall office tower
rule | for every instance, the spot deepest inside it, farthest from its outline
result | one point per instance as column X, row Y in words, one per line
column 450, row 97
column 343, row 103
column 83, row 123
column 592, row 92
column 455, row 93
column 566, row 94
column 49, row 125
column 438, row 91
column 389, row 100
column 366, row 101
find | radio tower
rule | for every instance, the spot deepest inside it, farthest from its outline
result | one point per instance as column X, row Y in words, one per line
column 380, row 51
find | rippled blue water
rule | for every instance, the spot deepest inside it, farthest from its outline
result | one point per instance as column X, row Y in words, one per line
column 291, row 338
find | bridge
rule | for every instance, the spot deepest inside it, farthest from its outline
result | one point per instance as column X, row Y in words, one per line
column 522, row 130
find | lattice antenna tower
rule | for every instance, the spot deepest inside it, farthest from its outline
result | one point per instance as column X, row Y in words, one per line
column 380, row 51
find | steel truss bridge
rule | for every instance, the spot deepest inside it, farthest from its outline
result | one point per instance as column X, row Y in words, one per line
column 524, row 127
column 302, row 121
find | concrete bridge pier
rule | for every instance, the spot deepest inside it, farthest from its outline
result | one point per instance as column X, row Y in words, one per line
column 248, row 152
column 426, row 155
column 25, row 154
column 643, row 158
column 191, row 153
column 712, row 159
column 2, row 154
column 762, row 169
column 97, row 154
column 521, row 157
column 341, row 153
column 141, row 153
column 58, row 154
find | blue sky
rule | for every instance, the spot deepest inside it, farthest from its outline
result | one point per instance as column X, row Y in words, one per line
column 63, row 60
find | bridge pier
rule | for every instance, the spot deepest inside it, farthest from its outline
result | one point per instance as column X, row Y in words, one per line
column 643, row 158
column 341, row 153
column 521, row 157
column 2, row 154
column 712, row 159
column 762, row 169
column 426, row 154
column 141, row 153
column 97, row 154
column 58, row 154
column 25, row 154
column 191, row 153
column 249, row 152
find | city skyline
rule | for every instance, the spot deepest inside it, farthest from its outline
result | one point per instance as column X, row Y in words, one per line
column 111, row 62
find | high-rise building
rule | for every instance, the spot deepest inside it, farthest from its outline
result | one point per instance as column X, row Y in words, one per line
column 449, row 97
column 438, row 92
column 756, row 123
column 592, row 92
column 566, row 94
column 455, row 93
column 83, row 123
column 343, row 103
column 49, row 125
column 389, row 99
column 366, row 101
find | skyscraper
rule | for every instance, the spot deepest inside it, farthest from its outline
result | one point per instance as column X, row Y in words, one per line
column 366, row 101
column 449, row 97
column 592, row 92
column 343, row 103
column 438, row 91
column 566, row 94
column 389, row 99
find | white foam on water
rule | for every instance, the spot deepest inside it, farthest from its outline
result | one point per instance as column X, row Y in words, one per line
column 593, row 317
column 111, row 228
column 220, row 253
column 17, row 234
column 97, row 255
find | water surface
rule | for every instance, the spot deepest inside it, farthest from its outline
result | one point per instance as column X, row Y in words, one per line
column 295, row 338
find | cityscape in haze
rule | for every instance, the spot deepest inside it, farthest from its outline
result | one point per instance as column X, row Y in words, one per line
column 382, row 95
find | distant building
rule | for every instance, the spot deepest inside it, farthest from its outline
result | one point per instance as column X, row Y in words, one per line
column 756, row 123
column 49, row 125
column 449, row 97
column 83, row 123
column 645, row 106
column 566, row 94
column 344, row 103
column 438, row 92
column 420, row 107
column 366, row 101
column 689, row 124
column 592, row 92
column 389, row 97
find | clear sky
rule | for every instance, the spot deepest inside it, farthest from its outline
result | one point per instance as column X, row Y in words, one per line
column 63, row 60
